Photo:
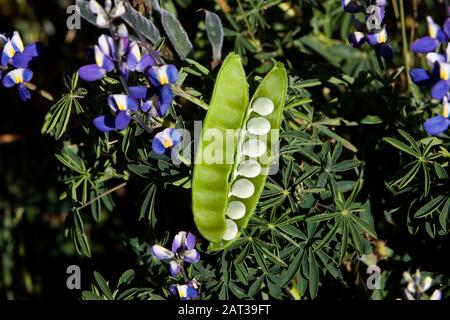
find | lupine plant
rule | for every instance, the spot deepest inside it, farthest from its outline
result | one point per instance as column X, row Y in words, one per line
column 204, row 150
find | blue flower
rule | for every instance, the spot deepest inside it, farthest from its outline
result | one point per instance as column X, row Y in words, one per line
column 438, row 78
column 183, row 250
column 161, row 77
column 136, row 61
column 186, row 291
column 436, row 35
column 440, row 123
column 121, row 105
column 16, row 54
column 165, row 140
column 104, row 60
column 423, row 77
column 371, row 30
column 18, row 77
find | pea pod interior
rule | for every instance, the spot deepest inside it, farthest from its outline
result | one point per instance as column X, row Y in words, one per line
column 221, row 188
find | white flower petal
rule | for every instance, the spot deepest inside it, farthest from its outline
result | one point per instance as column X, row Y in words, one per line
column 258, row 126
column 437, row 295
column 263, row 106
column 102, row 21
column 408, row 295
column 249, row 168
column 254, row 148
column 426, row 284
column 95, row 7
column 242, row 189
column 231, row 231
column 236, row 210
column 118, row 10
column 411, row 287
column 407, row 277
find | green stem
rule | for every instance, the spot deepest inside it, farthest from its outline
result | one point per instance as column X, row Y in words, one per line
column 405, row 42
column 181, row 93
column 120, row 186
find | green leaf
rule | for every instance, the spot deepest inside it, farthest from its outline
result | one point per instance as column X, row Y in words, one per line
column 214, row 30
column 409, row 176
column 101, row 282
column 89, row 295
column 364, row 225
column 126, row 277
column 294, row 266
column 410, row 139
column 330, row 235
column 176, row 33
column 322, row 217
column 345, row 165
column 313, row 275
column 344, row 241
column 430, row 207
column 141, row 24
column 370, row 119
column 401, row 146
column 79, row 236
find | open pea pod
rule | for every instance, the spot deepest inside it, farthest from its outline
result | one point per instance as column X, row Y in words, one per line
column 237, row 150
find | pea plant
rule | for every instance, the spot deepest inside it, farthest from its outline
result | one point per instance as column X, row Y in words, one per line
column 250, row 149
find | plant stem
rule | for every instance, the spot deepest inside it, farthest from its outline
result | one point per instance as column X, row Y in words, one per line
column 405, row 42
column 44, row 94
column 180, row 92
column 120, row 186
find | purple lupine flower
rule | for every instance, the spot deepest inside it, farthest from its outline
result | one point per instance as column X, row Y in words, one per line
column 377, row 39
column 16, row 54
column 436, row 35
column 423, row 77
column 104, row 60
column 165, row 140
column 371, row 30
column 441, row 122
column 161, row 77
column 18, row 77
column 121, row 105
column 438, row 78
column 186, row 291
column 136, row 61
column 183, row 250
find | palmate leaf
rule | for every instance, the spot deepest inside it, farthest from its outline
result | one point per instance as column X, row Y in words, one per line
column 57, row 118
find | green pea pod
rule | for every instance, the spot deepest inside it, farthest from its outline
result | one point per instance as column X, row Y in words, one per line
column 225, row 193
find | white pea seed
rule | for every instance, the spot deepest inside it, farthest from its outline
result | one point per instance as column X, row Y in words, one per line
column 231, row 230
column 236, row 210
column 258, row 126
column 254, row 148
column 242, row 188
column 263, row 106
column 249, row 168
